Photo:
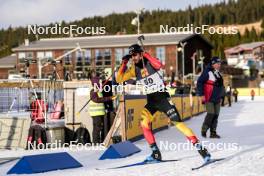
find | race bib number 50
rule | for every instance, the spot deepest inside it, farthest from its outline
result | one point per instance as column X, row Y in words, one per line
column 152, row 83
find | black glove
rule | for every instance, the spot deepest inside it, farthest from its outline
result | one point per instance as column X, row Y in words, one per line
column 126, row 57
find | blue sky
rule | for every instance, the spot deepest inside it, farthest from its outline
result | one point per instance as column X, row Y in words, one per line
column 24, row 12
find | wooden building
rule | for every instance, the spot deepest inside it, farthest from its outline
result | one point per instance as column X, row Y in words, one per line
column 105, row 53
column 246, row 55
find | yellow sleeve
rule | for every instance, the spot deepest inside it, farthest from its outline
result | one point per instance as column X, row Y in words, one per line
column 128, row 74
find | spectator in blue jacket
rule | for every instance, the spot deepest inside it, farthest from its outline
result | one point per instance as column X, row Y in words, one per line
column 210, row 87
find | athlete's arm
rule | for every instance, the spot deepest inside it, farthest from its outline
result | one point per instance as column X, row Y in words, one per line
column 153, row 61
column 124, row 75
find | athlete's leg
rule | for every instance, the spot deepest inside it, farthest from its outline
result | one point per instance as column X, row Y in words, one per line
column 173, row 114
column 146, row 121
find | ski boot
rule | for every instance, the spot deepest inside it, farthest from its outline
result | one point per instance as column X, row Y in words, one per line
column 203, row 133
column 214, row 135
column 203, row 152
column 155, row 156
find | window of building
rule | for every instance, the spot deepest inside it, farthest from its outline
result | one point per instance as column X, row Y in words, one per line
column 79, row 58
column 118, row 56
column 21, row 55
column 98, row 58
column 67, row 58
column 44, row 56
column 25, row 55
column 48, row 54
column 29, row 55
column 83, row 57
column 87, row 57
column 107, row 57
column 83, row 63
column 103, row 57
column 126, row 51
column 161, row 55
column 40, row 55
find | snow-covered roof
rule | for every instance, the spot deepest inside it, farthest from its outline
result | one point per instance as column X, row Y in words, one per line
column 106, row 41
column 244, row 47
column 8, row 61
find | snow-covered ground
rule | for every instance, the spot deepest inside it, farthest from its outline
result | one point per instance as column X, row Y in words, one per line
column 242, row 143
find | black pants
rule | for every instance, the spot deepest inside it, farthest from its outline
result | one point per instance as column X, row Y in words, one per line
column 158, row 101
column 108, row 121
column 229, row 100
column 37, row 134
column 235, row 98
column 98, row 127
column 211, row 118
column 223, row 101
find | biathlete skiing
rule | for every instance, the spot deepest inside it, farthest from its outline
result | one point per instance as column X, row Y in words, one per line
column 147, row 71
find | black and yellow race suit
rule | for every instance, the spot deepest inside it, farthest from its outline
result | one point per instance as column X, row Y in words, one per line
column 149, row 75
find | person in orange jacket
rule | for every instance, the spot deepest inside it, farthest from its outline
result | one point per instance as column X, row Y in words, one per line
column 252, row 93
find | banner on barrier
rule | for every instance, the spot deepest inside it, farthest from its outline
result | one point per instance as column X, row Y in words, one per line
column 187, row 111
column 195, row 105
column 177, row 101
column 134, row 107
column 246, row 91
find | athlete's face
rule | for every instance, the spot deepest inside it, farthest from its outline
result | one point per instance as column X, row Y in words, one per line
column 217, row 66
column 136, row 57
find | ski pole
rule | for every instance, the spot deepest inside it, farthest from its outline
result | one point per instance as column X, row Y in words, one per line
column 78, row 113
column 140, row 39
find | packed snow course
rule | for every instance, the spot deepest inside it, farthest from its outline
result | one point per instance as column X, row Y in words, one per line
column 242, row 145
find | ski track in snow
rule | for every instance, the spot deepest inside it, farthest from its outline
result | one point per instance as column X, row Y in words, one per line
column 242, row 124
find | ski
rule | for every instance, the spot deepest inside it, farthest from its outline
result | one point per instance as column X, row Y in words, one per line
column 139, row 164
column 9, row 158
column 207, row 163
